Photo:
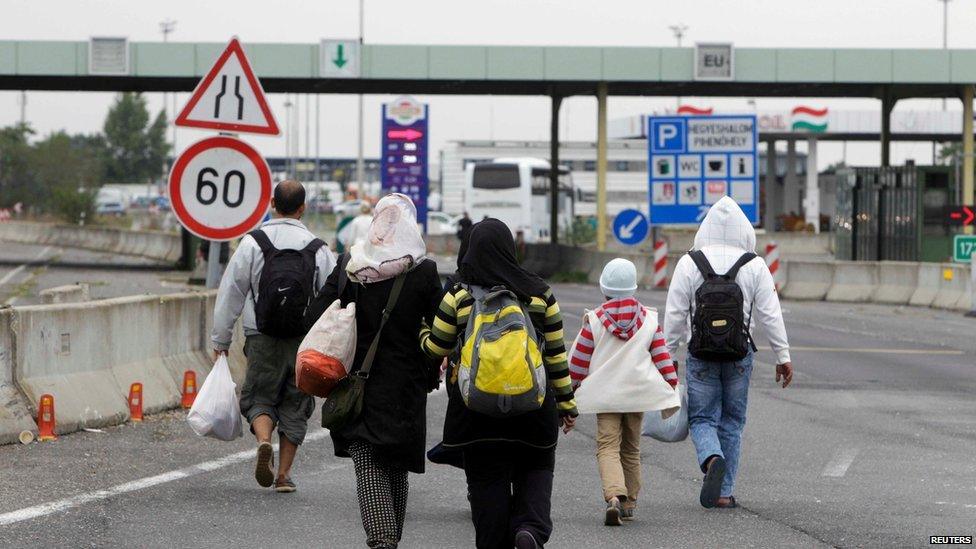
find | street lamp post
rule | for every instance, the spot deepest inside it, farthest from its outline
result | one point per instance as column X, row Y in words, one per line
column 167, row 26
column 679, row 31
column 360, row 166
column 945, row 45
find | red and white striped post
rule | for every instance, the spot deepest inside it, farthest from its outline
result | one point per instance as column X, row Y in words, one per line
column 660, row 279
column 772, row 261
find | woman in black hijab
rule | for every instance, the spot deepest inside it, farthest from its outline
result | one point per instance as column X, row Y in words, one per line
column 490, row 261
column 508, row 461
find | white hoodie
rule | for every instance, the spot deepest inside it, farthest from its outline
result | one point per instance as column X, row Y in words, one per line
column 724, row 236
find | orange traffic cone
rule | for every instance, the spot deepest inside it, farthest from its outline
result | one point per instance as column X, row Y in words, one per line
column 45, row 419
column 135, row 401
column 189, row 388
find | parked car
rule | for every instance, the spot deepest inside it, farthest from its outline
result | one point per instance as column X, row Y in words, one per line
column 110, row 208
column 440, row 223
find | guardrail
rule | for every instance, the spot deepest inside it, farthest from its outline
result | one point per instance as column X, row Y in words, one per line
column 150, row 244
column 88, row 354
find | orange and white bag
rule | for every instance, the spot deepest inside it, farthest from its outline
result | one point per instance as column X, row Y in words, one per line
column 328, row 350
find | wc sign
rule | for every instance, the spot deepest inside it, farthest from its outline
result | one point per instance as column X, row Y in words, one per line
column 714, row 62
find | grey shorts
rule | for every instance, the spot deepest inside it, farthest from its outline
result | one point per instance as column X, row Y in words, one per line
column 269, row 386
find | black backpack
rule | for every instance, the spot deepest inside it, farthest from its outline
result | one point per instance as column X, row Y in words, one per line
column 286, row 287
column 718, row 331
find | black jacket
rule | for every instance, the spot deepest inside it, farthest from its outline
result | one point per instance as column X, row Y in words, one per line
column 394, row 404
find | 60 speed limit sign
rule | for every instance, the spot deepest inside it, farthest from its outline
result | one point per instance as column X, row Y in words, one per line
column 220, row 188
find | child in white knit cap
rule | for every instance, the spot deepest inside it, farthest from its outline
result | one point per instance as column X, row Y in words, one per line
column 621, row 368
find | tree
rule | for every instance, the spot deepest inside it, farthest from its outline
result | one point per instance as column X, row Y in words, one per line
column 66, row 172
column 136, row 149
column 14, row 165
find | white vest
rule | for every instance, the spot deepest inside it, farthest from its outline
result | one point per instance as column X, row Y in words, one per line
column 622, row 378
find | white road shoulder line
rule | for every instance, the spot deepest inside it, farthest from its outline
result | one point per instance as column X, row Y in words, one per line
column 9, row 276
column 842, row 460
column 52, row 507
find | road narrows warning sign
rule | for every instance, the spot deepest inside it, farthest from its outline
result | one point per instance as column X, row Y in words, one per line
column 229, row 98
column 220, row 188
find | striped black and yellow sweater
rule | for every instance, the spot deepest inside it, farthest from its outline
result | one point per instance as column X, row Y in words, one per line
column 452, row 317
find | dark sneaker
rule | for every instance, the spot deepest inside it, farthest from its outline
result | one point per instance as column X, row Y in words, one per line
column 627, row 513
column 284, row 486
column 712, row 485
column 262, row 469
column 614, row 512
column 525, row 540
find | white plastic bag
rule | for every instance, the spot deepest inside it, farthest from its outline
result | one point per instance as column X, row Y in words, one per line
column 673, row 429
column 334, row 334
column 215, row 411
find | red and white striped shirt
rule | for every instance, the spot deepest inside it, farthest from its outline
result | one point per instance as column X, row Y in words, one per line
column 622, row 317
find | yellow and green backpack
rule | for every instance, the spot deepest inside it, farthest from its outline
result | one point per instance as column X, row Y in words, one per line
column 500, row 372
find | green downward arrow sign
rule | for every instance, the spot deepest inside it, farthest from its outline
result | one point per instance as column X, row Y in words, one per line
column 340, row 58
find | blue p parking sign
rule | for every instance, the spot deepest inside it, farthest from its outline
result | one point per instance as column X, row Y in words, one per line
column 668, row 134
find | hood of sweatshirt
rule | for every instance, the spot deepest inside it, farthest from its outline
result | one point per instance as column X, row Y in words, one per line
column 622, row 317
column 726, row 225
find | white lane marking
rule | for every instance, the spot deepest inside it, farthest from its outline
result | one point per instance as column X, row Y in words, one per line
column 9, row 276
column 837, row 467
column 44, row 509
column 952, row 352
column 12, row 274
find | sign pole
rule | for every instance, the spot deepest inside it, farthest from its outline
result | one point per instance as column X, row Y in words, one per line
column 601, row 167
column 967, row 150
column 213, row 264
column 972, row 286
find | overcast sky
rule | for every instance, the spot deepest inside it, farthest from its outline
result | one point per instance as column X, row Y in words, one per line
column 746, row 23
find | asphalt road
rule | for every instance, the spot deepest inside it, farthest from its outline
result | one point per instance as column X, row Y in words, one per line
column 871, row 446
column 26, row 269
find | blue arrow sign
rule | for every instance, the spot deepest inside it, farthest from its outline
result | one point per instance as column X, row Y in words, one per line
column 630, row 227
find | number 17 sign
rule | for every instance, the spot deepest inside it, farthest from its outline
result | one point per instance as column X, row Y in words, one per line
column 220, row 188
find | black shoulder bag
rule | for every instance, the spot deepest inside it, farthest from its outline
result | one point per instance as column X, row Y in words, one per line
column 345, row 404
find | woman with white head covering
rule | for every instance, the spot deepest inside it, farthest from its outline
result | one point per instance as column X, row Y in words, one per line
column 387, row 440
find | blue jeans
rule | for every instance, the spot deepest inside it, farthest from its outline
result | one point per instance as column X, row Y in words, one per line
column 717, row 397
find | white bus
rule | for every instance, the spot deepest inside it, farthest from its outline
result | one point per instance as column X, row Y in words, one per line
column 516, row 191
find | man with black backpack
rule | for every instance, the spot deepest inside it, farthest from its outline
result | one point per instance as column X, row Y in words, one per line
column 275, row 272
column 722, row 285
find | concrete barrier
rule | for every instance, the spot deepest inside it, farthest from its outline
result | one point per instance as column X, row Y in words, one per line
column 793, row 245
column 897, row 281
column 71, row 293
column 853, row 281
column 15, row 412
column 954, row 288
column 87, row 354
column 157, row 245
column 808, row 280
column 442, row 244
column 929, row 280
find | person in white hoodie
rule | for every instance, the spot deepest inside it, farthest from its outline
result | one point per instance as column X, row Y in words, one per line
column 718, row 388
column 620, row 369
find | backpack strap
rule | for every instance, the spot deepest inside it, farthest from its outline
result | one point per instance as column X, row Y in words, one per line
column 702, row 263
column 308, row 258
column 734, row 270
column 267, row 248
column 313, row 246
column 363, row 371
column 343, row 275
